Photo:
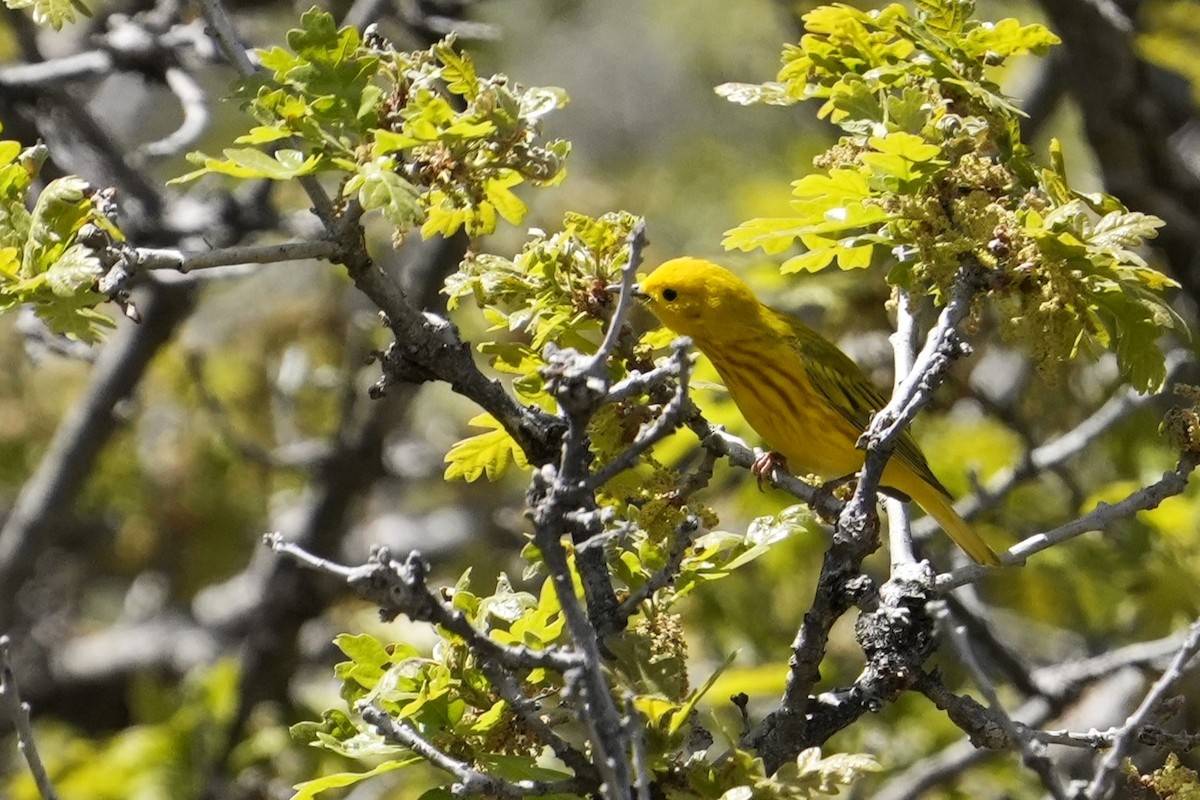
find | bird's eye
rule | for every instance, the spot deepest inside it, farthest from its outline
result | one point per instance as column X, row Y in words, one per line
column 669, row 294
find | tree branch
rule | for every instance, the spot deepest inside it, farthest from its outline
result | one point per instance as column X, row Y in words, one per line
column 399, row 588
column 1104, row 781
column 18, row 713
column 1170, row 484
column 470, row 781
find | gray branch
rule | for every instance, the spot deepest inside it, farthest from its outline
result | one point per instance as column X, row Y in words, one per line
column 18, row 713
column 469, row 781
column 1104, row 781
column 1170, row 484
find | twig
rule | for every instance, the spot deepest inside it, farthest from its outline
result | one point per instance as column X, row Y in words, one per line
column 1151, row 735
column 1170, row 484
column 1033, row 751
column 400, row 588
column 685, row 534
column 642, row 382
column 470, row 781
column 698, row 478
column 1099, row 666
column 720, row 442
column 18, row 713
column 636, row 241
column 904, row 347
column 56, row 71
column 900, row 537
column 1053, row 454
column 428, row 347
column 637, row 736
column 1103, row 783
column 558, row 493
column 1069, row 678
column 193, row 104
column 154, row 259
column 227, row 37
column 664, row 425
column 927, row 371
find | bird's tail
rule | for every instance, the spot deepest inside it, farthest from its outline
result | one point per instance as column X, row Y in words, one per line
column 940, row 507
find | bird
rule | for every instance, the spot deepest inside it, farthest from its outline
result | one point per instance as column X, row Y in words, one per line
column 807, row 399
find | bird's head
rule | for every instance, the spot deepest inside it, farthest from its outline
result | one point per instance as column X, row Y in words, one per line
column 698, row 298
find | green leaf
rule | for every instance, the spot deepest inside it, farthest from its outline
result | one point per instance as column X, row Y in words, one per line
column 487, row 454
column 497, row 191
column 747, row 94
column 263, row 134
column 813, row 774
column 340, row 780
column 363, row 649
column 772, row 234
column 1125, row 229
column 538, row 101
column 74, row 271
column 54, row 13
column 1008, row 37
column 390, row 142
column 905, row 145
column 457, row 70
column 379, row 186
column 519, row 768
column 75, row 316
column 247, row 162
column 946, row 17
column 812, row 261
column 60, row 211
column 684, row 713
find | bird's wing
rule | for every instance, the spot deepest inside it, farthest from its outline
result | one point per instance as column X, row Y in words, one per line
column 849, row 391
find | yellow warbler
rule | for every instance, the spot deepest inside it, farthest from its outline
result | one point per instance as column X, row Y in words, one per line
column 803, row 395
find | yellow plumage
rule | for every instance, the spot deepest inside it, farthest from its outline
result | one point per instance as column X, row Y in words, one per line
column 803, row 395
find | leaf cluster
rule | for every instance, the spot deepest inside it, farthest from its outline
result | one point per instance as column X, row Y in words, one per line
column 1172, row 780
column 931, row 177
column 54, row 13
column 50, row 257
column 418, row 136
column 445, row 696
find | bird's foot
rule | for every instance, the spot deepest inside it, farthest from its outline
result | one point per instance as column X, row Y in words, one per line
column 765, row 464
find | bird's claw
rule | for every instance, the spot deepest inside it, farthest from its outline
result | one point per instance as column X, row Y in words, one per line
column 765, row 464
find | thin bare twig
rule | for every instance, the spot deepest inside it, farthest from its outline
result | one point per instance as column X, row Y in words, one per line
column 470, row 781
column 1104, row 781
column 636, row 241
column 685, row 534
column 664, row 425
column 171, row 259
column 636, row 726
column 18, row 712
column 1170, row 484
column 1053, row 454
column 1067, row 678
column 1033, row 751
column 193, row 103
column 399, row 588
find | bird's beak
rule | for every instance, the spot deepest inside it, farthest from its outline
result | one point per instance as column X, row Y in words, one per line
column 635, row 290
